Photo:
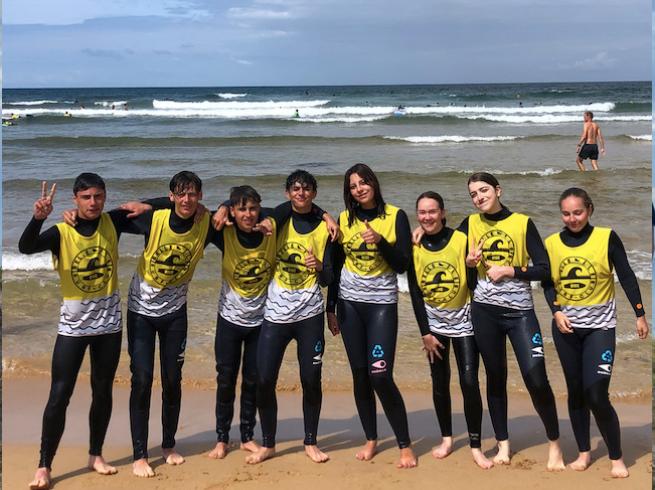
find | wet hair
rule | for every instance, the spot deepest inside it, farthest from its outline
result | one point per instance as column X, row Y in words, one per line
column 185, row 180
column 303, row 178
column 580, row 193
column 240, row 195
column 589, row 113
column 365, row 172
column 484, row 177
column 437, row 197
column 87, row 180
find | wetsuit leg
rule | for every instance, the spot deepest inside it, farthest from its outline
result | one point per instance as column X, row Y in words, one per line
column 141, row 334
column 523, row 331
column 248, row 405
column 105, row 350
column 491, row 342
column 66, row 361
column 353, row 333
column 569, row 349
column 309, row 334
column 172, row 331
column 381, row 323
column 598, row 361
column 227, row 347
column 468, row 362
column 273, row 341
column 440, row 373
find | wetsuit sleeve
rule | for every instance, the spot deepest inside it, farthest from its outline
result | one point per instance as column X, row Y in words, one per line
column 471, row 273
column 326, row 276
column 338, row 259
column 398, row 254
column 32, row 241
column 139, row 225
column 215, row 237
column 281, row 214
column 417, row 300
column 550, row 294
column 539, row 270
column 464, row 228
column 159, row 203
column 619, row 259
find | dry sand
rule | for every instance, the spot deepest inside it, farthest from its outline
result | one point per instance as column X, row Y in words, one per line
column 340, row 436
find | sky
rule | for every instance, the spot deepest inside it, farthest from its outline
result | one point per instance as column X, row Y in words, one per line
column 125, row 43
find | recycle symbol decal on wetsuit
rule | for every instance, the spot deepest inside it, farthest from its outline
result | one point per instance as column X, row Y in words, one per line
column 440, row 282
column 577, row 278
column 365, row 256
column 291, row 264
column 377, row 351
column 318, row 346
column 537, row 340
column 92, row 269
column 607, row 356
column 169, row 263
column 497, row 248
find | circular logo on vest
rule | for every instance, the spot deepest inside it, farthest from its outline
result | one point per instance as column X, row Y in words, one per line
column 577, row 278
column 498, row 248
column 92, row 269
column 291, row 264
column 252, row 274
column 365, row 256
column 169, row 263
column 440, row 282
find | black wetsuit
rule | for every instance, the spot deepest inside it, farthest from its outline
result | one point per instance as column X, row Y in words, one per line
column 466, row 355
column 369, row 334
column 104, row 351
column 309, row 335
column 493, row 324
column 587, row 355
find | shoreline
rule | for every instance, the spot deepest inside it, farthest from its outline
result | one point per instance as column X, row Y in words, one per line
column 340, row 434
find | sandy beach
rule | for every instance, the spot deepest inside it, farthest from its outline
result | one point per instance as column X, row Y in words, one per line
column 340, row 435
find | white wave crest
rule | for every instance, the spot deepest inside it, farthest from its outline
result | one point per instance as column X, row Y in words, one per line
column 238, row 106
column 641, row 263
column 553, row 119
column 642, row 137
column 105, row 103
column 532, row 110
column 337, row 119
column 451, row 139
column 32, row 102
column 228, row 95
column 19, row 262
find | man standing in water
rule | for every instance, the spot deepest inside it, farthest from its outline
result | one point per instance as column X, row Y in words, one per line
column 588, row 144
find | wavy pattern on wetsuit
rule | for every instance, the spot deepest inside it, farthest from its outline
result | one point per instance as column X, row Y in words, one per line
column 151, row 301
column 292, row 305
column 90, row 317
column 450, row 322
column 382, row 289
column 592, row 316
column 237, row 309
column 510, row 293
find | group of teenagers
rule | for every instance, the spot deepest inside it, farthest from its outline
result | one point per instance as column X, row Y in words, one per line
column 470, row 287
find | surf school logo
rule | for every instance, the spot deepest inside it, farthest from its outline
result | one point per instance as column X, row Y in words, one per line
column 291, row 264
column 252, row 275
column 537, row 351
column 169, row 263
column 498, row 248
column 578, row 278
column 91, row 269
column 440, row 282
column 377, row 351
column 365, row 256
column 379, row 366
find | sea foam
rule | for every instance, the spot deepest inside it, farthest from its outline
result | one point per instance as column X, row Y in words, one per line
column 451, row 139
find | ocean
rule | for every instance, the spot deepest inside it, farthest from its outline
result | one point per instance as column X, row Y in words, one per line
column 137, row 138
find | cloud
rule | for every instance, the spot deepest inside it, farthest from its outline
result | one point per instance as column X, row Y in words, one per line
column 600, row 60
column 243, row 62
column 257, row 14
column 103, row 53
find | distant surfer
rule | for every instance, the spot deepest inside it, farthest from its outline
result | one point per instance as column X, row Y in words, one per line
column 296, row 114
column 587, row 146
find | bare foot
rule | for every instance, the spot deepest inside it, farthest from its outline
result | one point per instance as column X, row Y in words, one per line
column 315, row 454
column 171, row 456
column 503, row 454
column 141, row 468
column 618, row 469
column 582, row 463
column 99, row 465
column 443, row 449
column 407, row 459
column 251, row 446
column 219, row 452
column 555, row 457
column 480, row 459
column 368, row 451
column 41, row 479
column 262, row 454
